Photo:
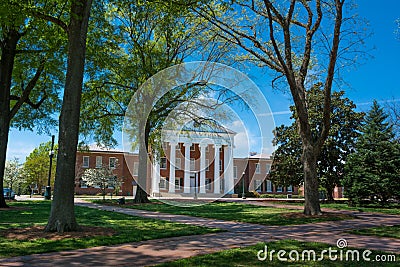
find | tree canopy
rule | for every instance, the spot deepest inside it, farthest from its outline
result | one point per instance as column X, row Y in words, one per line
column 31, row 71
column 37, row 164
column 345, row 121
column 372, row 172
column 301, row 42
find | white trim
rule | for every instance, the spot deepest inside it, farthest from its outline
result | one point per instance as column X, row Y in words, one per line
column 83, row 162
column 99, row 161
column 136, row 168
column 257, row 168
column 115, row 162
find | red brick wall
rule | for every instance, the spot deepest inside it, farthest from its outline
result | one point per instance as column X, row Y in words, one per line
column 121, row 171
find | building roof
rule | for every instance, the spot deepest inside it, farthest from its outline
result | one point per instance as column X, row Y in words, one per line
column 208, row 126
column 260, row 156
column 97, row 148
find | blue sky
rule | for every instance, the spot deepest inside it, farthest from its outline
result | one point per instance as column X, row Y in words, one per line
column 378, row 78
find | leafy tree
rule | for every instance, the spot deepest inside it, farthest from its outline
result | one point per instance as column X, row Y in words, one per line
column 373, row 170
column 146, row 38
column 62, row 215
column 37, row 164
column 300, row 41
column 29, row 80
column 13, row 175
column 345, row 122
column 102, row 177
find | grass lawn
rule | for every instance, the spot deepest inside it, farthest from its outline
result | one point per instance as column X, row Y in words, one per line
column 127, row 229
column 384, row 231
column 393, row 209
column 238, row 212
column 248, row 256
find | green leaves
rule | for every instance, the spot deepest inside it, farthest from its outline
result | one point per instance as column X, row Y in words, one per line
column 345, row 122
column 36, row 166
column 372, row 172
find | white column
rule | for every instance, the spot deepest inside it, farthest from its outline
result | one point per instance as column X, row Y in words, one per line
column 171, row 184
column 155, row 176
column 228, row 169
column 217, row 182
column 186, row 188
column 202, row 169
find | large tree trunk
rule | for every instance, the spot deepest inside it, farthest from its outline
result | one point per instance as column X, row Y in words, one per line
column 141, row 194
column 329, row 192
column 311, row 185
column 62, row 216
column 11, row 38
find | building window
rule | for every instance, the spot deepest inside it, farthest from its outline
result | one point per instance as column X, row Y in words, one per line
column 192, row 147
column 267, row 167
column 207, row 164
column 178, row 163
column 192, row 164
column 269, row 186
column 112, row 163
column 135, row 168
column 177, row 183
column 220, row 165
column 208, row 184
column 290, row 189
column 85, row 163
column 235, row 172
column 207, row 149
column 83, row 184
column 163, row 183
column 99, row 161
column 257, row 185
column 163, row 163
column 112, row 182
column 279, row 189
column 178, row 147
column 258, row 168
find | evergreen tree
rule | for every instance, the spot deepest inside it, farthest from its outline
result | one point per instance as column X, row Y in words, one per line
column 373, row 171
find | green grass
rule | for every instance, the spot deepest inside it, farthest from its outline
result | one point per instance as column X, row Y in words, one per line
column 384, row 231
column 393, row 209
column 238, row 212
column 128, row 228
column 248, row 256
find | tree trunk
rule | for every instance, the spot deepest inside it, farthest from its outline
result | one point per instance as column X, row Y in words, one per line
column 62, row 216
column 11, row 38
column 141, row 194
column 329, row 192
column 311, row 185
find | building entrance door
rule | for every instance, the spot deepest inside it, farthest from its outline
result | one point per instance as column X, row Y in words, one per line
column 192, row 182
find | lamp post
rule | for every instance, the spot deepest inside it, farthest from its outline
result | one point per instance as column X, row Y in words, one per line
column 195, row 185
column 243, row 196
column 47, row 193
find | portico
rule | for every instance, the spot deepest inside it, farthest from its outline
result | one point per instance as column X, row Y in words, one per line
column 197, row 160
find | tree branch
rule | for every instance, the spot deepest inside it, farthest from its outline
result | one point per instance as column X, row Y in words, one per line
column 331, row 72
column 24, row 98
column 52, row 19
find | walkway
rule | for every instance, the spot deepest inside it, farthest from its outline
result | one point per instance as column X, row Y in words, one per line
column 238, row 235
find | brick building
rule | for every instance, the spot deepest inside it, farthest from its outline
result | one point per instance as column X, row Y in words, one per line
column 196, row 161
column 97, row 157
column 254, row 170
